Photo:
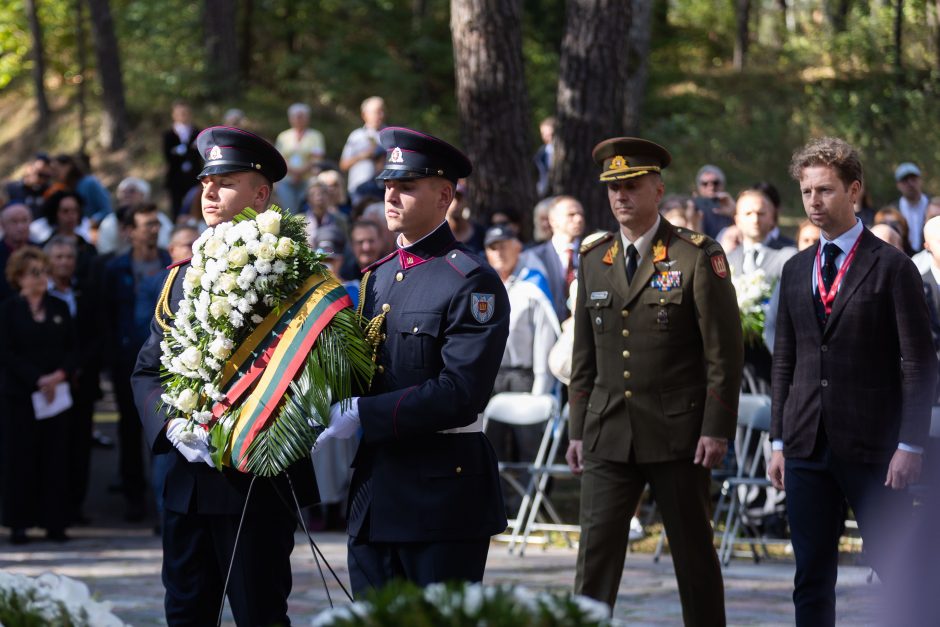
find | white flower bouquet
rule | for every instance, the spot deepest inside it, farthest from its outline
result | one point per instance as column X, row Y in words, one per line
column 263, row 341
column 51, row 600
column 754, row 290
column 467, row 605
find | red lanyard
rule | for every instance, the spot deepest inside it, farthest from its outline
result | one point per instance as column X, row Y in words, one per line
column 828, row 296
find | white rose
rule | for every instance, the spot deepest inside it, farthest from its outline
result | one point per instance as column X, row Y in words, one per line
column 191, row 357
column 226, row 283
column 284, row 248
column 219, row 308
column 269, row 222
column 266, row 252
column 238, row 256
column 220, row 347
column 186, row 401
column 192, row 279
column 215, row 248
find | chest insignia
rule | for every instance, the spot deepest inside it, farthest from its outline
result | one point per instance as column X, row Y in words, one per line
column 659, row 252
column 668, row 280
column 482, row 306
column 611, row 253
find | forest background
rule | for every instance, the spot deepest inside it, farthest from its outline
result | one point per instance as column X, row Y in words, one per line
column 737, row 83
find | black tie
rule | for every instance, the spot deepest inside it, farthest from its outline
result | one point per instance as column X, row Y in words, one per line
column 830, row 252
column 632, row 257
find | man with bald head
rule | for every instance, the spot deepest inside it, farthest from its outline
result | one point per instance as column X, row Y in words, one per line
column 14, row 219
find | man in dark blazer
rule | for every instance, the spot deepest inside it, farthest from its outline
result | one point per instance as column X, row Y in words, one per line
column 853, row 377
column 655, row 381
column 203, row 506
column 559, row 254
column 181, row 157
column 425, row 495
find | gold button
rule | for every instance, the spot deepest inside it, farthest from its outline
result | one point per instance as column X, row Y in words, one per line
column 662, row 301
column 414, row 330
column 386, row 308
column 381, row 369
column 626, row 374
column 454, row 256
column 626, row 354
column 625, row 333
column 625, row 313
column 459, row 470
column 399, row 276
column 628, row 394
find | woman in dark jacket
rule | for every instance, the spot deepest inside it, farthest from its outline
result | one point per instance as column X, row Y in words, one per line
column 37, row 346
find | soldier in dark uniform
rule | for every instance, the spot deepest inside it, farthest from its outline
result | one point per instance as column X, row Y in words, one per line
column 425, row 495
column 202, row 506
column 656, row 373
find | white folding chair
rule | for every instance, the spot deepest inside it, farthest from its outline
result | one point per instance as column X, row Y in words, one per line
column 523, row 409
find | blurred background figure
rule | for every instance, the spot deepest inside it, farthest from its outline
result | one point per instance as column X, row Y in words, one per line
column 544, row 156
column 559, row 255
column 181, row 157
column 807, row 234
column 38, row 352
column 302, row 148
column 541, row 227
column 31, row 189
column 711, row 199
column 235, row 118
column 358, row 157
column 465, row 230
column 912, row 203
column 14, row 219
column 886, row 233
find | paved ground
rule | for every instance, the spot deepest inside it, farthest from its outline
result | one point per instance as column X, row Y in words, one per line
column 120, row 562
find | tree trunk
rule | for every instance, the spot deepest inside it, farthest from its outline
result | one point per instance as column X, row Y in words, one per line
column 590, row 101
column 221, row 31
column 838, row 11
column 247, row 41
column 898, row 30
column 638, row 51
column 82, row 50
column 493, row 104
column 108, row 56
column 743, row 34
column 937, row 34
column 39, row 68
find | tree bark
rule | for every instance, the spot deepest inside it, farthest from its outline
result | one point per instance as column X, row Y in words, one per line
column 590, row 100
column 82, row 50
column 108, row 56
column 743, row 33
column 937, row 34
column 638, row 51
column 39, row 68
column 898, row 32
column 247, row 40
column 493, row 104
column 221, row 31
column 838, row 11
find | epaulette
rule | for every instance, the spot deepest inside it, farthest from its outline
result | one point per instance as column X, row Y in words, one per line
column 710, row 246
column 376, row 264
column 179, row 263
column 460, row 261
column 594, row 240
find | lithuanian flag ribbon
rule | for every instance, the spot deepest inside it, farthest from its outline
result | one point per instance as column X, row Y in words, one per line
column 269, row 359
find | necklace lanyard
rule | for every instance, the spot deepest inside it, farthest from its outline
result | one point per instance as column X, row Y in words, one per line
column 828, row 296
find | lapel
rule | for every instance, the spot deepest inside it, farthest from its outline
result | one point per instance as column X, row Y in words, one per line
column 865, row 258
column 616, row 272
column 803, row 294
column 644, row 271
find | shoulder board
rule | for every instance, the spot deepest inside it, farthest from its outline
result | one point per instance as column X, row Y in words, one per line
column 710, row 246
column 179, row 263
column 594, row 240
column 460, row 261
column 376, row 264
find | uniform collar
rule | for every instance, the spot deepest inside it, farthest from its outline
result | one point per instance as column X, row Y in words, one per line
column 434, row 244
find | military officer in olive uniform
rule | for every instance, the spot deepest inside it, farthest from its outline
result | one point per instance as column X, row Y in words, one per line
column 656, row 373
column 425, row 495
column 202, row 505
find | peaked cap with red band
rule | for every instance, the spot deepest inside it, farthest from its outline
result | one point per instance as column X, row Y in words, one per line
column 414, row 155
column 228, row 149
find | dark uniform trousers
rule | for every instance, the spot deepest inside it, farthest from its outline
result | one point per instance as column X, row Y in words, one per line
column 610, row 492
column 202, row 510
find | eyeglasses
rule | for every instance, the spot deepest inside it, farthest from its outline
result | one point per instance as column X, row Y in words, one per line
column 710, row 183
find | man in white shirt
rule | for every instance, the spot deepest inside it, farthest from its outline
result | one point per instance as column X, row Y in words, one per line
column 302, row 148
column 358, row 158
column 913, row 202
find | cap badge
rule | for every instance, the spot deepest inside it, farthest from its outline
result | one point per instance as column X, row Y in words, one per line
column 396, row 156
column 618, row 163
column 215, row 153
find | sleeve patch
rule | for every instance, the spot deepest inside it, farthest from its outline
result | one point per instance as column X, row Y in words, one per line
column 719, row 265
column 482, row 306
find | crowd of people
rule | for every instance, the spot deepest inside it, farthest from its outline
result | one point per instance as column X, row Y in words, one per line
column 83, row 270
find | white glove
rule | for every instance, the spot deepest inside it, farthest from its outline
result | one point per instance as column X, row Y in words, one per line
column 343, row 424
column 192, row 443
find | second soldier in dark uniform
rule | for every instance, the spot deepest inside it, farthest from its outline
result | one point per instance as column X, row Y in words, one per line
column 425, row 495
column 656, row 373
column 203, row 506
